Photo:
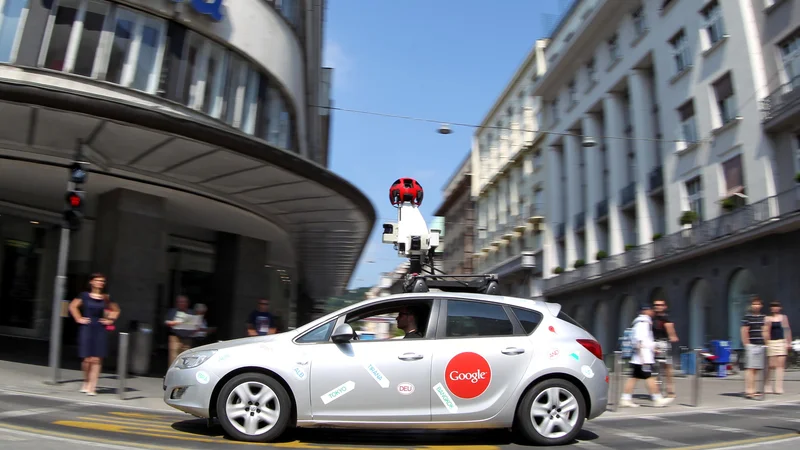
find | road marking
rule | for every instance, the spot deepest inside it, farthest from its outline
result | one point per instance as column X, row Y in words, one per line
column 80, row 439
column 704, row 426
column 642, row 438
column 743, row 443
column 27, row 412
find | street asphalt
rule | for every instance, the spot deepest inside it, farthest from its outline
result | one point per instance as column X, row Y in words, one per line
column 42, row 422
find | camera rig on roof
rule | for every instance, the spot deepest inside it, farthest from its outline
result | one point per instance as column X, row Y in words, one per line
column 412, row 239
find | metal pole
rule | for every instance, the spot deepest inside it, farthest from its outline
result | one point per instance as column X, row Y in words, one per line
column 765, row 365
column 58, row 297
column 617, row 377
column 698, row 373
column 122, row 363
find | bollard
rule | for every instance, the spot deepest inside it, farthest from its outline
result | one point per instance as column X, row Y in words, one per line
column 698, row 373
column 616, row 380
column 122, row 363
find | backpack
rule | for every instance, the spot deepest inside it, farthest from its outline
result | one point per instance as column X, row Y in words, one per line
column 626, row 343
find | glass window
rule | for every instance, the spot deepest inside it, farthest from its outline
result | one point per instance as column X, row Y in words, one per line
column 233, row 95
column 137, row 50
column 250, row 110
column 713, row 22
column 681, row 52
column 320, row 334
column 151, row 38
column 121, row 44
column 89, row 37
column 694, row 194
column 192, row 55
column 210, row 80
column 528, row 318
column 688, row 130
column 466, row 318
column 726, row 101
column 10, row 22
column 563, row 316
column 60, row 33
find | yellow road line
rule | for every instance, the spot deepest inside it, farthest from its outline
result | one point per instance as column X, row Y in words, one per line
column 153, row 430
column 741, row 442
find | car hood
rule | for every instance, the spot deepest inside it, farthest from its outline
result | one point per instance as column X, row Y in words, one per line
column 272, row 339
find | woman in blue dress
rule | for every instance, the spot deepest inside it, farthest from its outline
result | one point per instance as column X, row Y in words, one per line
column 95, row 314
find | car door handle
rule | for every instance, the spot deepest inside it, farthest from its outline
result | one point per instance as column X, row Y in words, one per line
column 409, row 357
column 513, row 351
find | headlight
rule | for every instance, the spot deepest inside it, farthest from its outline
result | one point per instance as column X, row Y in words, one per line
column 194, row 359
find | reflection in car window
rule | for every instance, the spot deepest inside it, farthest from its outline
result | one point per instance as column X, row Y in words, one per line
column 466, row 318
column 319, row 334
column 529, row 319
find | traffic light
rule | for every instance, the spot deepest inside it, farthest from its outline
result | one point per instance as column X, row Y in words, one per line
column 73, row 212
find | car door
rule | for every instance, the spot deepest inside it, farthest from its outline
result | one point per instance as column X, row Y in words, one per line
column 374, row 380
column 479, row 357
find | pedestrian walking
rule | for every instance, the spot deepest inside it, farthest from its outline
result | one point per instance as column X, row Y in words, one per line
column 642, row 360
column 665, row 336
column 201, row 334
column 182, row 326
column 753, row 339
column 95, row 313
column 779, row 340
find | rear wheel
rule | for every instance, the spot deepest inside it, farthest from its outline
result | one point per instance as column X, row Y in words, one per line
column 254, row 407
column 552, row 413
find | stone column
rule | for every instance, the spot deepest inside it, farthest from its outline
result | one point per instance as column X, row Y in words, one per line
column 553, row 209
column 642, row 117
column 594, row 184
column 240, row 278
column 617, row 162
column 572, row 147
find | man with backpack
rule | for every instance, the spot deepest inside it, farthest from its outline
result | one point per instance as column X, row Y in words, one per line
column 642, row 358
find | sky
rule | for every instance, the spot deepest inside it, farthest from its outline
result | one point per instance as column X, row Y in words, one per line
column 446, row 60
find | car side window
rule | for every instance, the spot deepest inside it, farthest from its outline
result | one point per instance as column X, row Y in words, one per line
column 471, row 319
column 319, row 334
column 528, row 319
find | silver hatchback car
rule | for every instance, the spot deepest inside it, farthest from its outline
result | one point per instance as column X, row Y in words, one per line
column 466, row 361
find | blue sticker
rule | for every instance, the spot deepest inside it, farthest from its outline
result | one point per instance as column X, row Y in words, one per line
column 575, row 355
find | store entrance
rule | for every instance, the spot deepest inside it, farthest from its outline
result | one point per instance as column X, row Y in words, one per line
column 22, row 246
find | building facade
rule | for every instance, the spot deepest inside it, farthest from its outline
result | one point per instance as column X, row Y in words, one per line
column 458, row 211
column 668, row 175
column 207, row 149
column 508, row 184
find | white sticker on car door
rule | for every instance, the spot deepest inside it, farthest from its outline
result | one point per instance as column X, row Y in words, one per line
column 338, row 392
column 377, row 375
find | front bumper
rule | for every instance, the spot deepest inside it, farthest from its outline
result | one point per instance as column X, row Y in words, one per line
column 190, row 390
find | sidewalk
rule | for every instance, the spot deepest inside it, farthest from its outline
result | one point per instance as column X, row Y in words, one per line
column 715, row 394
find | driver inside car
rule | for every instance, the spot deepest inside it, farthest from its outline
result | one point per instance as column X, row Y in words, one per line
column 407, row 321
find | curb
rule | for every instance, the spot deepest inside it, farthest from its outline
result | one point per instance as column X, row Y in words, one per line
column 64, row 399
column 612, row 415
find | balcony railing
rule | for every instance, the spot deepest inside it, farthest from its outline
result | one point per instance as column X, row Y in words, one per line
column 627, row 194
column 656, row 179
column 781, row 99
column 580, row 220
column 740, row 220
column 602, row 208
column 561, row 230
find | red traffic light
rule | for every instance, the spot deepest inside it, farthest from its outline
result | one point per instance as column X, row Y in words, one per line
column 75, row 199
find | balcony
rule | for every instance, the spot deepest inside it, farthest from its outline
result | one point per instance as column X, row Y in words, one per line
column 535, row 213
column 580, row 220
column 627, row 195
column 744, row 223
column 781, row 109
column 602, row 209
column 656, row 179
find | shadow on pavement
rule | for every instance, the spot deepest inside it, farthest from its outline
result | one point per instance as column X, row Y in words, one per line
column 323, row 436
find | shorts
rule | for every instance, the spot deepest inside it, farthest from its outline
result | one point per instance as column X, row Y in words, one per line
column 754, row 356
column 641, row 372
column 663, row 352
column 777, row 347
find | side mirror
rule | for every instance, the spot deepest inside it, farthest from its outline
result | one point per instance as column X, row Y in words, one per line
column 343, row 333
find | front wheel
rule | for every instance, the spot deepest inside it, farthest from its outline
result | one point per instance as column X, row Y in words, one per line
column 253, row 407
column 552, row 413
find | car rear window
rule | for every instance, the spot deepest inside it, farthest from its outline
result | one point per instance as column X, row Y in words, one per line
column 529, row 319
column 563, row 316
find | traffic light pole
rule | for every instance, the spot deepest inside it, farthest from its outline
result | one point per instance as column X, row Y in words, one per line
column 58, row 298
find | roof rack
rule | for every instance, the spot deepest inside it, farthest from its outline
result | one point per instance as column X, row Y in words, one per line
column 479, row 284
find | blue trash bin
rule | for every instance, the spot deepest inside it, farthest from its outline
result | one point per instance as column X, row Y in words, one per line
column 722, row 350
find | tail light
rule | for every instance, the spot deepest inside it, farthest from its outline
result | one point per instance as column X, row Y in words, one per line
column 593, row 347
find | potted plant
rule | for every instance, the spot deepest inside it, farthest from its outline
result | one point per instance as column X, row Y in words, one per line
column 579, row 263
column 629, row 247
column 797, row 177
column 688, row 218
column 657, row 236
column 558, row 270
column 728, row 204
column 601, row 255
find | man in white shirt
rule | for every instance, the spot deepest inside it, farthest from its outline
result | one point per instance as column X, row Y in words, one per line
column 642, row 359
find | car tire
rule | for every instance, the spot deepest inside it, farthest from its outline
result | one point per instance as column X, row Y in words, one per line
column 266, row 401
column 534, row 428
